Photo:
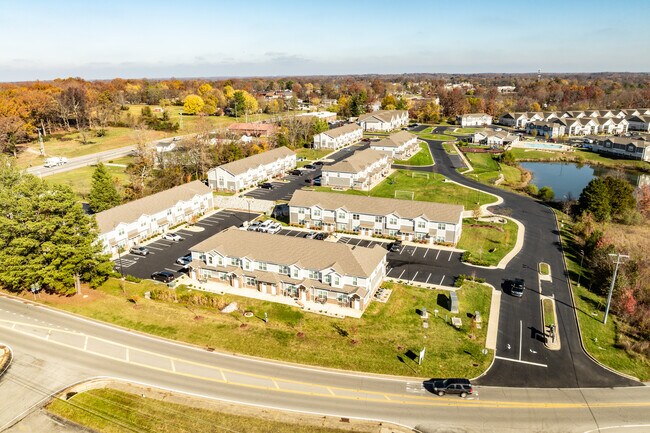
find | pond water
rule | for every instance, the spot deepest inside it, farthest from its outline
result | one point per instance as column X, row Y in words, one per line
column 569, row 179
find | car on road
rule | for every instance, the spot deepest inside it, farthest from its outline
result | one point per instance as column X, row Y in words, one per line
column 274, row 228
column 185, row 260
column 267, row 185
column 395, row 246
column 139, row 250
column 172, row 237
column 517, row 287
column 321, row 236
column 309, row 167
column 309, row 235
column 163, row 276
column 264, row 226
column 462, row 387
column 296, row 172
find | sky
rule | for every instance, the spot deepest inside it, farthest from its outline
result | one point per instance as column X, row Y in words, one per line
column 104, row 39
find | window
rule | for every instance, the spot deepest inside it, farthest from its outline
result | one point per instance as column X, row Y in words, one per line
column 209, row 260
column 247, row 264
column 315, row 213
column 441, row 226
column 336, row 280
column 355, row 216
column 379, row 219
column 355, row 282
column 421, row 224
column 251, row 281
column 121, row 232
column 341, row 226
column 327, row 278
column 392, row 221
column 220, row 260
column 261, row 266
column 313, row 275
column 377, row 231
column 284, row 270
column 301, row 211
column 235, row 261
column 342, row 215
column 296, row 273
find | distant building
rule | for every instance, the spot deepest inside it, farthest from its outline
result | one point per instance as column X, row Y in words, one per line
column 247, row 172
column 506, row 89
column 494, row 138
column 474, row 119
column 131, row 223
column 546, row 129
column 400, row 145
column 252, row 129
column 639, row 123
column 625, row 147
column 360, row 170
column 338, row 137
column 327, row 116
column 384, row 120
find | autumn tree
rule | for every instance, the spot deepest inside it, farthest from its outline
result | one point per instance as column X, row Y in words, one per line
column 103, row 193
column 193, row 104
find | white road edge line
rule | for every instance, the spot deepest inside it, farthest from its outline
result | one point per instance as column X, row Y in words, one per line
column 520, row 338
column 520, row 361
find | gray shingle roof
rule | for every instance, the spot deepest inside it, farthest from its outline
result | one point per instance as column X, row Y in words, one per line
column 383, row 115
column 129, row 212
column 243, row 165
column 439, row 212
column 341, row 130
column 394, row 140
column 288, row 250
column 356, row 162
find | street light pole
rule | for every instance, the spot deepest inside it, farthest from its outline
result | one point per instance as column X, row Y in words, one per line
column 618, row 261
column 582, row 252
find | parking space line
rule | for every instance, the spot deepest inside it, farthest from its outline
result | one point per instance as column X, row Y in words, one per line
column 427, row 281
column 400, row 275
column 154, row 248
column 425, row 253
column 413, row 252
column 402, row 250
column 171, row 270
column 438, row 254
column 360, row 240
column 451, row 253
column 415, row 276
column 388, row 271
column 442, row 279
column 297, row 234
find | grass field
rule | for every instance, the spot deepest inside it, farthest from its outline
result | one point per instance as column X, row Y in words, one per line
column 580, row 156
column 423, row 157
column 384, row 340
column 80, row 179
column 449, row 148
column 428, row 135
column 600, row 340
column 487, row 243
column 549, row 312
column 312, row 154
column 462, row 131
column 544, row 269
column 112, row 411
column 488, row 169
column 70, row 145
column 433, row 189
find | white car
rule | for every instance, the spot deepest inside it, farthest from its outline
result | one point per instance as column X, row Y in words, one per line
column 185, row 260
column 172, row 237
column 264, row 226
column 274, row 228
column 253, row 227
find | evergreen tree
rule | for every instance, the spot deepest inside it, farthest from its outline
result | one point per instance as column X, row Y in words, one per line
column 595, row 200
column 103, row 193
column 45, row 236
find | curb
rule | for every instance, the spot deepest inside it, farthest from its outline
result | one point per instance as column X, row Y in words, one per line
column 555, row 345
column 7, row 358
column 575, row 313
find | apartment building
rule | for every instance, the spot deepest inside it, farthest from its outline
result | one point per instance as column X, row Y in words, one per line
column 474, row 119
column 624, row 147
column 361, row 170
column 494, row 138
column 384, row 120
column 405, row 219
column 400, row 145
column 247, row 172
column 305, row 270
column 338, row 137
column 131, row 223
column 546, row 129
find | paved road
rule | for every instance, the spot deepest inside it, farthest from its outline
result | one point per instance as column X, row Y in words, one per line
column 522, row 359
column 52, row 347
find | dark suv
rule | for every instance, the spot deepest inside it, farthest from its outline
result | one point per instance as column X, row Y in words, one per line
column 517, row 288
column 461, row 387
column 395, row 246
column 164, row 276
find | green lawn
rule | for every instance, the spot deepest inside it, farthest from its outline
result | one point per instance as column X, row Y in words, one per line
column 423, row 157
column 462, row 131
column 549, row 312
column 70, row 145
column 311, row 154
column 433, row 189
column 382, row 341
column 111, row 411
column 449, row 148
column 601, row 341
column 488, row 170
column 579, row 156
column 544, row 269
column 428, row 135
column 487, row 243
column 80, row 179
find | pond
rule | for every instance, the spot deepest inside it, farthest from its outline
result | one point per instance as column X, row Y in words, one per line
column 569, row 179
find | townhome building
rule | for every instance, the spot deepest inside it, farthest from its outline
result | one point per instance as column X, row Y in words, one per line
column 303, row 270
column 127, row 225
column 361, row 170
column 247, row 172
column 370, row 216
column 384, row 120
column 639, row 123
column 338, row 137
column 327, row 116
column 546, row 129
column 474, row 119
column 579, row 126
column 252, row 129
column 400, row 145
column 517, row 120
column 612, row 125
column 625, row 147
column 494, row 138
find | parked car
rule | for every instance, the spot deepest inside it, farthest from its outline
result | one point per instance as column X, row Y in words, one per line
column 164, row 276
column 517, row 287
column 252, row 227
column 319, row 163
column 264, row 226
column 317, row 181
column 321, row 236
column 395, row 246
column 462, row 387
column 296, row 172
column 139, row 250
column 498, row 129
column 274, row 228
column 267, row 185
column 310, row 235
column 172, row 237
column 309, row 167
column 185, row 260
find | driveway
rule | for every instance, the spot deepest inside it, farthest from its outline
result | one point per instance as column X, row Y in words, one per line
column 163, row 253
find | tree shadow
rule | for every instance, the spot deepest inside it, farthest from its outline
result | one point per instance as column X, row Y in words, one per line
column 443, row 301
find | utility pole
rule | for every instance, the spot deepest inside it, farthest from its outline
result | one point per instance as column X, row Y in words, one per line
column 582, row 254
column 617, row 257
column 40, row 141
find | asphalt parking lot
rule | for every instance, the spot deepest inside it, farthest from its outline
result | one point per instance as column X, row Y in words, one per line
column 284, row 188
column 163, row 254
